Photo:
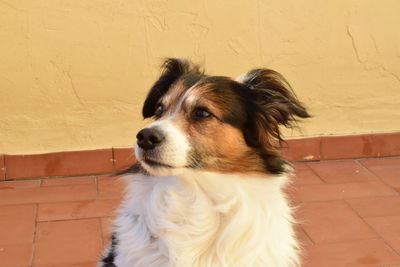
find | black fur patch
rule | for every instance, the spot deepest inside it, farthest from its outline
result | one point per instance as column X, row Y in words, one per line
column 172, row 70
column 108, row 260
column 230, row 96
column 273, row 104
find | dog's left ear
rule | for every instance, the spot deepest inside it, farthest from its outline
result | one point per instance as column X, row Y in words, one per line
column 273, row 104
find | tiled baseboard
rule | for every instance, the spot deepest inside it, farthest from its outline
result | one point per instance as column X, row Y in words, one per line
column 60, row 164
column 112, row 160
column 343, row 147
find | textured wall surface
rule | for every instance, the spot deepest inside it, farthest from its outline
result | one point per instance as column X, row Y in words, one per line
column 73, row 74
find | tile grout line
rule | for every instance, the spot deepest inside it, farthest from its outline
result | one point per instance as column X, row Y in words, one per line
column 348, row 241
column 346, row 182
column 60, row 177
column 313, row 171
column 34, row 235
column 357, row 161
column 367, row 170
column 299, row 223
column 339, row 199
column 376, row 176
column 371, row 228
column 309, row 237
column 96, row 181
column 101, row 233
column 74, row 219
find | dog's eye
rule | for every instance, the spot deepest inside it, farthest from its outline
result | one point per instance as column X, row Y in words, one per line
column 159, row 110
column 201, row 113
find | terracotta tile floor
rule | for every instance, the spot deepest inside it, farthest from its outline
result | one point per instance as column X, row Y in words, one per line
column 349, row 214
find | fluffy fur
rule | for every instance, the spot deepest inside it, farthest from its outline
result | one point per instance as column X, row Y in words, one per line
column 208, row 189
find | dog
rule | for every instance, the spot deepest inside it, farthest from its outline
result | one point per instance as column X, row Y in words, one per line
column 208, row 189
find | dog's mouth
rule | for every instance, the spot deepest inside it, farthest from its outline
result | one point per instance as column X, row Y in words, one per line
column 155, row 163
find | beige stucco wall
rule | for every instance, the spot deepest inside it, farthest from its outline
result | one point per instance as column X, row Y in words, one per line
column 73, row 74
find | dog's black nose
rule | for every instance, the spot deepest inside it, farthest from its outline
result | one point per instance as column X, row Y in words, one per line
column 149, row 138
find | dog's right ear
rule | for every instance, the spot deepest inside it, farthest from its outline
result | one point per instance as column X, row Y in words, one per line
column 172, row 69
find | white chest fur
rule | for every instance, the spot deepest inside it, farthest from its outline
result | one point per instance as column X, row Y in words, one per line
column 205, row 220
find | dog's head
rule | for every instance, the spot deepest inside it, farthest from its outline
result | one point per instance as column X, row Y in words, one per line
column 215, row 123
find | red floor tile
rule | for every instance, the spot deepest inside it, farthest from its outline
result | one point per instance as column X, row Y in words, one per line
column 67, row 242
column 19, row 184
column 376, row 206
column 373, row 252
column 47, row 194
column 388, row 170
column 68, row 181
column 106, row 228
column 17, row 224
column 304, row 175
column 110, row 186
column 16, row 255
column 389, row 228
column 341, row 171
column 77, row 210
column 322, row 192
column 334, row 221
column 352, row 221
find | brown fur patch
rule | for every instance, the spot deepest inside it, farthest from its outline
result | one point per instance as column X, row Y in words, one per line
column 224, row 149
